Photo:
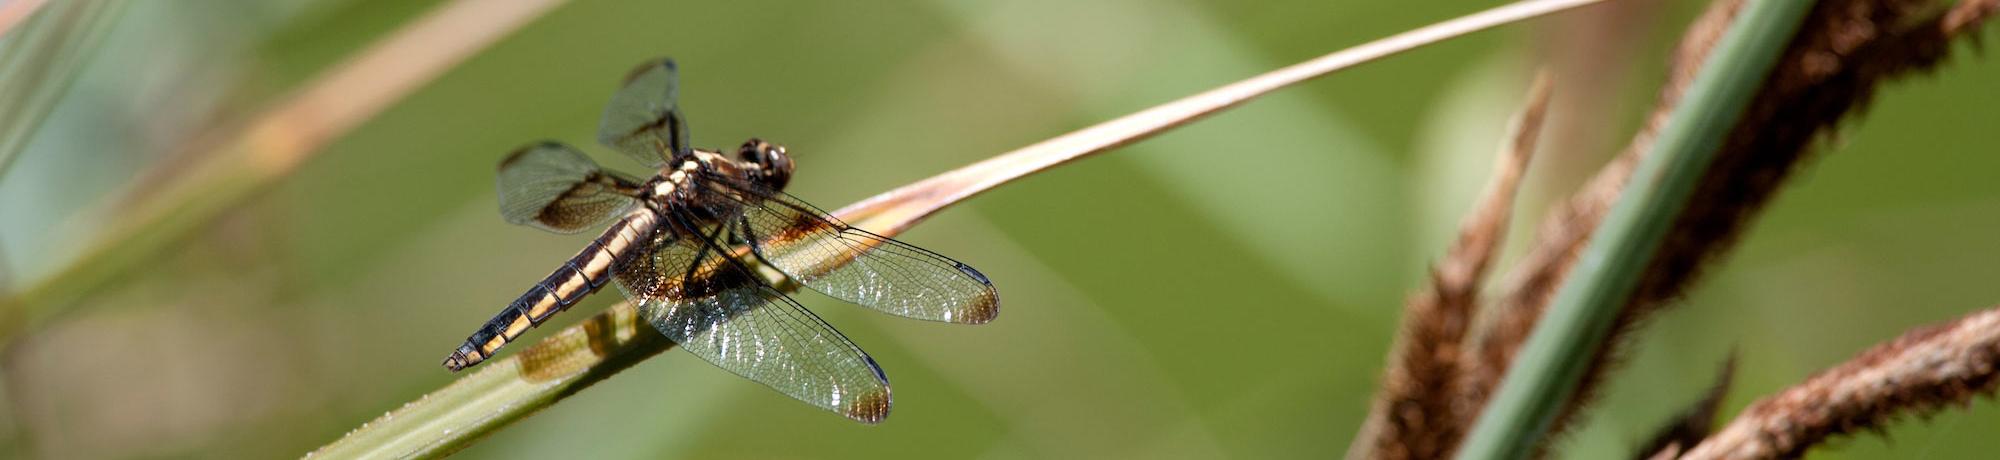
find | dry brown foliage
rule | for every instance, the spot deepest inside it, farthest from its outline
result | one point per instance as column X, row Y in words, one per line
column 1413, row 416
column 1844, row 49
column 1688, row 428
column 1923, row 371
column 1832, row 67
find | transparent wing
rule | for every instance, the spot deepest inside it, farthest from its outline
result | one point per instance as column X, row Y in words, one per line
column 552, row 186
column 712, row 306
column 644, row 118
column 854, row 265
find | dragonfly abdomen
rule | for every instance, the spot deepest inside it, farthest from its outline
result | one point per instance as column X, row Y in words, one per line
column 583, row 274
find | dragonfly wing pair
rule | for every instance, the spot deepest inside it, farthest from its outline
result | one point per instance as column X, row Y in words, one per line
column 689, row 259
column 701, row 296
column 851, row 264
column 701, row 290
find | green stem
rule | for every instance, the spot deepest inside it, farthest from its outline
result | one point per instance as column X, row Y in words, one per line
column 1546, row 372
column 505, row 390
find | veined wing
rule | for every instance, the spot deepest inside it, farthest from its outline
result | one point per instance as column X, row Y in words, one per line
column 552, row 186
column 699, row 296
column 852, row 264
column 644, row 118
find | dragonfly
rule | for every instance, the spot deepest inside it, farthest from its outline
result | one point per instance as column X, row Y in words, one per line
column 689, row 247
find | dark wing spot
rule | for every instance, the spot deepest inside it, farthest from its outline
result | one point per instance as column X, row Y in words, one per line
column 871, row 407
column 984, row 308
column 558, row 215
column 803, row 224
column 669, row 122
column 649, row 65
column 718, row 279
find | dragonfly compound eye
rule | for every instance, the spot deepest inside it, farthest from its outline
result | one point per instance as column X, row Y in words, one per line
column 773, row 165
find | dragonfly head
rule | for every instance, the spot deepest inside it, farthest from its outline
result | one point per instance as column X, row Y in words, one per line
column 774, row 167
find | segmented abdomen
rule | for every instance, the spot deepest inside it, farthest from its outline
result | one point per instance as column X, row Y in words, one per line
column 584, row 273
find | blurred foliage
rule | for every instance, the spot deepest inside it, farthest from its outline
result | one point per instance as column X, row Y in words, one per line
column 1226, row 290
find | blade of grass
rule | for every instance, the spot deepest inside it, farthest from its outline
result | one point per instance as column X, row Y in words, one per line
column 514, row 387
column 183, row 195
column 38, row 65
column 951, row 187
column 1546, row 372
column 471, row 407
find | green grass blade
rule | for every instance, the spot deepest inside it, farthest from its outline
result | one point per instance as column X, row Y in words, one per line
column 505, row 390
column 1545, row 373
column 254, row 156
column 40, row 60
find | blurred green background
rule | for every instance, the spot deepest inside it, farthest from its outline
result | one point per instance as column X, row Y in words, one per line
column 1225, row 290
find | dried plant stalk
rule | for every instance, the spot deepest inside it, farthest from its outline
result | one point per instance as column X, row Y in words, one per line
column 1413, row 414
column 1845, row 49
column 1694, row 423
column 1923, row 371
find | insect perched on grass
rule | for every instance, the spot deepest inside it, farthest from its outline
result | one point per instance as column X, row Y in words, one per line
column 687, row 244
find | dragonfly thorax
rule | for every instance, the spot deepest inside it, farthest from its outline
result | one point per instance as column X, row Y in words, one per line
column 756, row 162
